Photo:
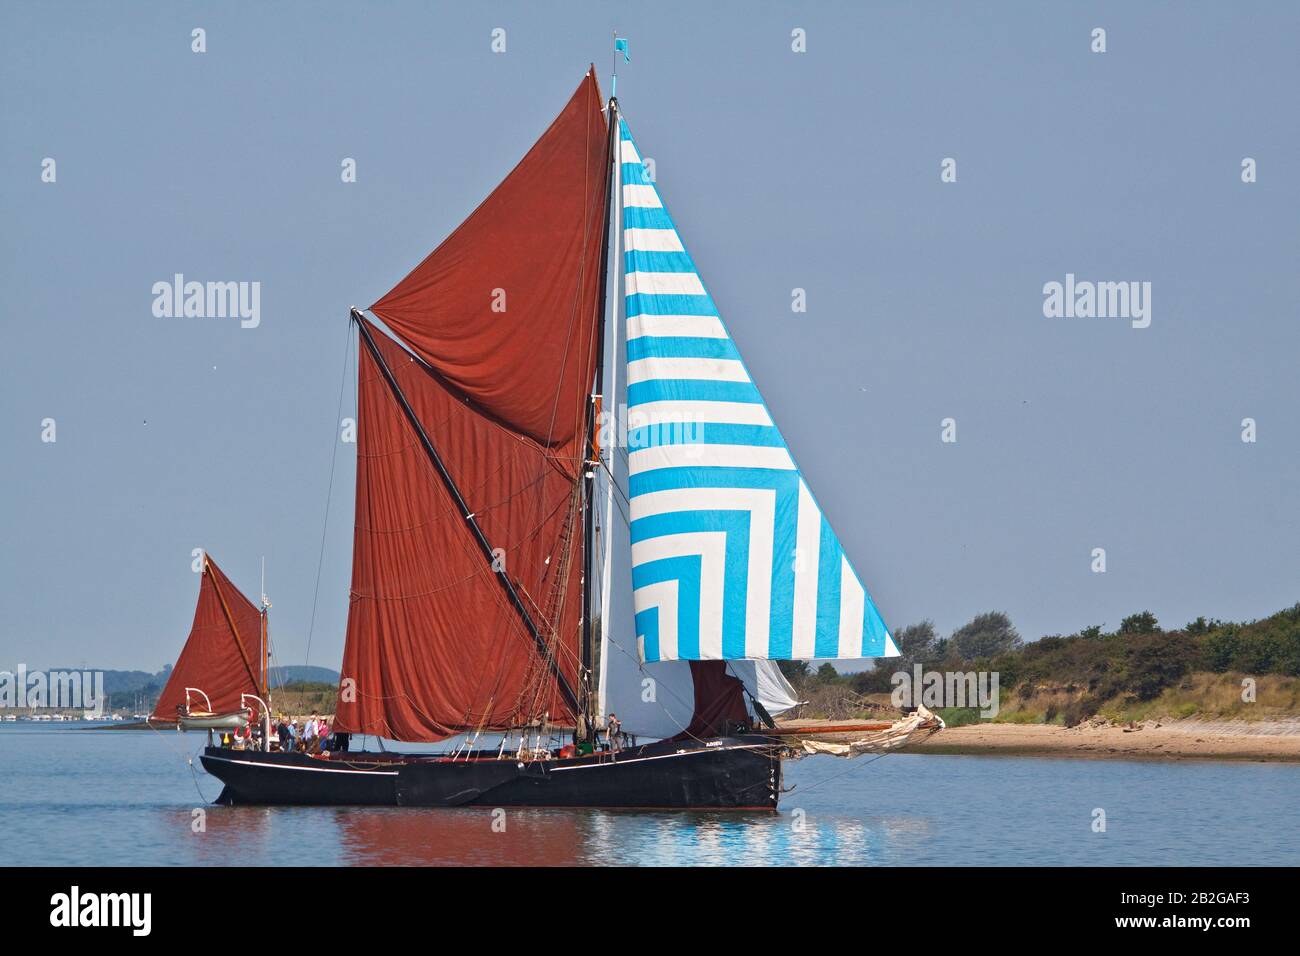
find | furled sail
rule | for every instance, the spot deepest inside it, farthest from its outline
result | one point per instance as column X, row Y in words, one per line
column 765, row 683
column 731, row 556
column 500, row 324
column 222, row 655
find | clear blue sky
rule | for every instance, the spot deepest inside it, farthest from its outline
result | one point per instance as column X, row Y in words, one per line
column 817, row 170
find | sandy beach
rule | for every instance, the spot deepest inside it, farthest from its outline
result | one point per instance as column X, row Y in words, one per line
column 1177, row 740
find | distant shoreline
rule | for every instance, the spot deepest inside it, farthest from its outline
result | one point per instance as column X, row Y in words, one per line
column 1272, row 742
column 1276, row 741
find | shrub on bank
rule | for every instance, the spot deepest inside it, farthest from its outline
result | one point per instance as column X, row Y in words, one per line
column 1126, row 671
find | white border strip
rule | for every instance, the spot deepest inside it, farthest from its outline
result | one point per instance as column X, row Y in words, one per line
column 276, row 766
column 680, row 753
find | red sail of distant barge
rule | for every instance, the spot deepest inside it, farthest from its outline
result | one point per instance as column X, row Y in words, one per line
column 223, row 661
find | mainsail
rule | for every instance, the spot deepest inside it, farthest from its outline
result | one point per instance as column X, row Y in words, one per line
column 496, row 352
column 731, row 556
column 222, row 656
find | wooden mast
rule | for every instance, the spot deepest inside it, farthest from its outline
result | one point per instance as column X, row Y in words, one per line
column 266, row 658
column 588, row 649
column 225, row 608
column 266, row 638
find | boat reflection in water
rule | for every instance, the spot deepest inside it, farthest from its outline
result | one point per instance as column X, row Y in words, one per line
column 221, row 837
column 531, row 837
column 472, row 836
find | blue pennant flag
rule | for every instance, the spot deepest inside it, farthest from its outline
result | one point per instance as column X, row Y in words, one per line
column 620, row 46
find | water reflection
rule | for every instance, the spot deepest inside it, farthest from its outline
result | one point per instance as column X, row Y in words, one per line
column 465, row 836
column 74, row 798
column 229, row 835
column 526, row 837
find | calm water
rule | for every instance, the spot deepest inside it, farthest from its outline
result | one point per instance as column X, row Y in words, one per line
column 126, row 797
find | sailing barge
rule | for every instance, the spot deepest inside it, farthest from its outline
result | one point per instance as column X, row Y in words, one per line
column 221, row 679
column 487, row 504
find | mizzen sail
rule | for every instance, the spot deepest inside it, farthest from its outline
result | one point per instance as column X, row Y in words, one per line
column 222, row 655
column 731, row 556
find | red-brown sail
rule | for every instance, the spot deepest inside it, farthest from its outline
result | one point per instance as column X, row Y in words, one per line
column 221, row 655
column 505, row 308
column 434, row 645
column 719, row 701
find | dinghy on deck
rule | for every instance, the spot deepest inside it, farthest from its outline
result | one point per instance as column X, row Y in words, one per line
column 198, row 718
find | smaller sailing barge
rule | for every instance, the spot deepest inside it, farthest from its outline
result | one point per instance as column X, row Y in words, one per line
column 222, row 677
column 487, row 503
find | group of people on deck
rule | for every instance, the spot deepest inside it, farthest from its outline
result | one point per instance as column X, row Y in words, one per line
column 311, row 736
column 314, row 735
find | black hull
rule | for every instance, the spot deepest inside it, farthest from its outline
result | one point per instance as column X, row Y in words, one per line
column 731, row 773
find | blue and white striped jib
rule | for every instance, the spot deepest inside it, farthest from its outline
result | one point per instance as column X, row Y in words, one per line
column 731, row 557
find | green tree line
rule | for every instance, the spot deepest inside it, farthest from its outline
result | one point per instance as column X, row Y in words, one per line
column 1137, row 660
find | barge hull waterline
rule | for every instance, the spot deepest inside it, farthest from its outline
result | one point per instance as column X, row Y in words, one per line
column 727, row 774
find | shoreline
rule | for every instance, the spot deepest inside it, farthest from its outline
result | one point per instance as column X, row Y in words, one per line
column 1265, row 742
column 1273, row 741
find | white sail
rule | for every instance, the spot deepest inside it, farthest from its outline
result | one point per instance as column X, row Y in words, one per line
column 764, row 681
column 731, row 556
column 656, row 699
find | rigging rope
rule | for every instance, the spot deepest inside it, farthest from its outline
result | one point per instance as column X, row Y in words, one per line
column 189, row 758
column 329, row 494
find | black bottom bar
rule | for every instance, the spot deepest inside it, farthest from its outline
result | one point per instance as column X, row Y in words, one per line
column 943, row 909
